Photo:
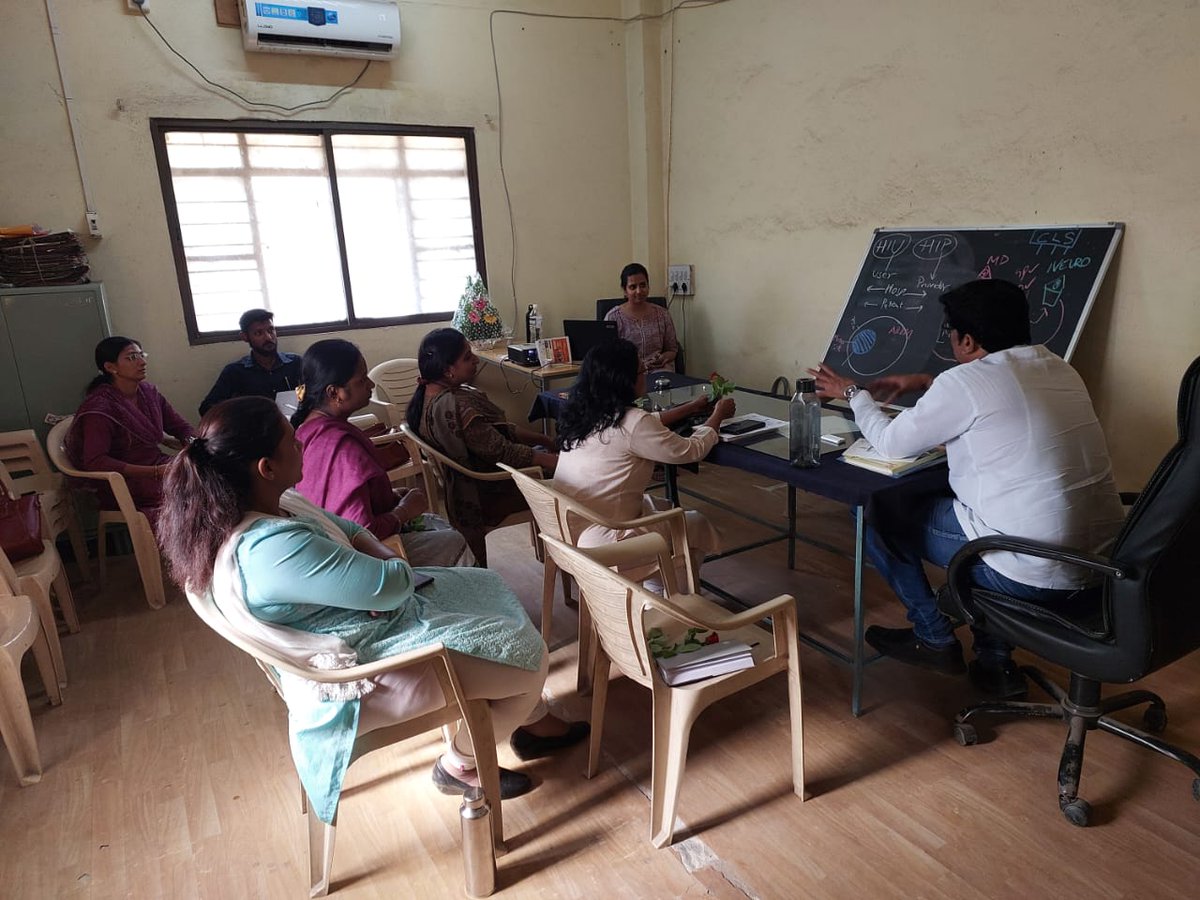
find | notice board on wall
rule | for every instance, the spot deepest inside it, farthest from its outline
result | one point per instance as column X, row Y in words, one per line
column 893, row 323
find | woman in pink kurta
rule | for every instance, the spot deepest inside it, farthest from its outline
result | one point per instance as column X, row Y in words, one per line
column 121, row 423
column 609, row 446
column 342, row 471
column 649, row 327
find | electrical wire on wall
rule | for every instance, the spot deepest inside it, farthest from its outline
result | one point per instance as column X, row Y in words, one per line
column 255, row 105
column 625, row 20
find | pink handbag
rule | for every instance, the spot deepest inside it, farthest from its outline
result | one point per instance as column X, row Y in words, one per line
column 20, row 526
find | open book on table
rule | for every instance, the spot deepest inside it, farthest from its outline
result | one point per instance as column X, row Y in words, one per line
column 863, row 455
column 718, row 658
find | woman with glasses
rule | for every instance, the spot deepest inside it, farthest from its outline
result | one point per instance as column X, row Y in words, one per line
column 121, row 423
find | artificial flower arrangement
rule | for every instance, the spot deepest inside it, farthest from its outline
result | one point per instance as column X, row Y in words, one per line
column 721, row 387
column 476, row 317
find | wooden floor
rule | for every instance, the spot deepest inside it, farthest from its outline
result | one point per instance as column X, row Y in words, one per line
column 168, row 775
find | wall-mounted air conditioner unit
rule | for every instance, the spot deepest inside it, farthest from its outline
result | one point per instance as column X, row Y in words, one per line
column 366, row 29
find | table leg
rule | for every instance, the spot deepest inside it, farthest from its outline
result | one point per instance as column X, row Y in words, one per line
column 791, row 526
column 671, row 483
column 856, row 695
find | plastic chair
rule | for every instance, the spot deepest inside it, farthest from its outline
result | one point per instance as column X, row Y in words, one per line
column 395, row 384
column 623, row 612
column 30, row 471
column 565, row 519
column 437, row 469
column 145, row 547
column 35, row 577
column 475, row 714
column 20, row 630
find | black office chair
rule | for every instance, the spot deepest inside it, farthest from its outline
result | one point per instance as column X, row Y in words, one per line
column 604, row 307
column 1142, row 617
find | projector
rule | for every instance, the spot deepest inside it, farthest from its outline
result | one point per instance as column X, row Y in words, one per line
column 523, row 354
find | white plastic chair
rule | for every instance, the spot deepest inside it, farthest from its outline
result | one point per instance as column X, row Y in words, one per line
column 475, row 715
column 21, row 630
column 30, row 471
column 435, row 467
column 145, row 547
column 623, row 612
column 395, row 384
column 564, row 518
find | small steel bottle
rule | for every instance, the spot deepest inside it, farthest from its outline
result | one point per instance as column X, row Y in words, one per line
column 479, row 851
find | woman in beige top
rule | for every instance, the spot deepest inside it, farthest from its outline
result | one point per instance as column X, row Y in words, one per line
column 609, row 446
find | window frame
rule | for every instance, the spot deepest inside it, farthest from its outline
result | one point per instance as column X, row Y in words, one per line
column 325, row 130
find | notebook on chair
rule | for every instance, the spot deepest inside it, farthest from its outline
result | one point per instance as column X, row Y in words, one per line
column 584, row 334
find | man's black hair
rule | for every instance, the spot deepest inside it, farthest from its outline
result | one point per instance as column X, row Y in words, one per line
column 992, row 311
column 254, row 316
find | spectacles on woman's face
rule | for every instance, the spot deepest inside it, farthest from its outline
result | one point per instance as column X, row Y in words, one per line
column 135, row 355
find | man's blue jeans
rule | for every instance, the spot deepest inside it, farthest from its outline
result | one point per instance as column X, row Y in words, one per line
column 932, row 533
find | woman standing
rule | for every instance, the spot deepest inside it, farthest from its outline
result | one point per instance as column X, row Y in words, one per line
column 121, row 423
column 452, row 415
column 648, row 326
column 342, row 471
column 319, row 587
column 610, row 446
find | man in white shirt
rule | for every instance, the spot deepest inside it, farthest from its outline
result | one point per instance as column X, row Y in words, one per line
column 1027, row 458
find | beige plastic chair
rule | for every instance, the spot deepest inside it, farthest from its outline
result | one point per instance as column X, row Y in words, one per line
column 435, row 465
column 623, row 612
column 475, row 715
column 407, row 472
column 30, row 471
column 21, row 630
column 35, row 577
column 565, row 519
column 145, row 547
column 395, row 384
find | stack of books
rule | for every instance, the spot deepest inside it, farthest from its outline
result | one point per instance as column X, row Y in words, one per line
column 711, row 659
column 863, row 455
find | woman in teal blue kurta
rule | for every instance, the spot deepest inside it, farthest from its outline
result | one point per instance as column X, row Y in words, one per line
column 322, row 590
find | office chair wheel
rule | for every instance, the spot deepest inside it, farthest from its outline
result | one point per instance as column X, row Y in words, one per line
column 1154, row 720
column 1077, row 811
column 965, row 734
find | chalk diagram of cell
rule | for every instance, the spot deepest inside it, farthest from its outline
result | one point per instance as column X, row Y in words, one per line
column 934, row 248
column 1048, row 319
column 876, row 345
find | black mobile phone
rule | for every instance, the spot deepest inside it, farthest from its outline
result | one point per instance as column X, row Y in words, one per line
column 420, row 579
column 742, row 427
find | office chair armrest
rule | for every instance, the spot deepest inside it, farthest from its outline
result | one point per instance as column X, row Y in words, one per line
column 958, row 572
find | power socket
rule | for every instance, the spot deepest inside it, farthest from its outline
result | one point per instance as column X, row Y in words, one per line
column 93, row 224
column 138, row 6
column 681, row 280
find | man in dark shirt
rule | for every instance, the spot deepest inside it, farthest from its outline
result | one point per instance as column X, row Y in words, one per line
column 264, row 372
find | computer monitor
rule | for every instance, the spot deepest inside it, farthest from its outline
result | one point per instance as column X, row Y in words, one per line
column 584, row 334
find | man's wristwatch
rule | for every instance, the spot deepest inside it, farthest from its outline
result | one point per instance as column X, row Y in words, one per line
column 851, row 391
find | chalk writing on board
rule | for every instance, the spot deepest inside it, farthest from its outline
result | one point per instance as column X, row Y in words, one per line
column 893, row 324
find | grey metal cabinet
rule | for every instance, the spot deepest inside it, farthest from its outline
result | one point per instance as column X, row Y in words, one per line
column 47, row 339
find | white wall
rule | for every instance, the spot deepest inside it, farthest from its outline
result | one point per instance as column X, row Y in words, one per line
column 799, row 127
column 565, row 146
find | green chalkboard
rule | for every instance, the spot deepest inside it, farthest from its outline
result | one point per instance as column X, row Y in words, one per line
column 892, row 323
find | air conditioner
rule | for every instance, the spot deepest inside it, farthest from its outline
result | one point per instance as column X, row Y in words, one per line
column 366, row 29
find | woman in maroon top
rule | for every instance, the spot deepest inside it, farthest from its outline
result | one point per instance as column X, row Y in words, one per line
column 121, row 423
